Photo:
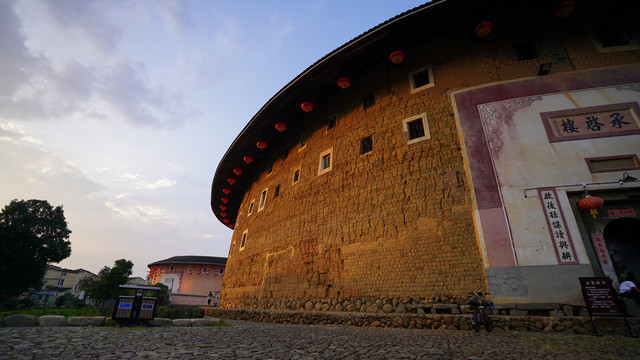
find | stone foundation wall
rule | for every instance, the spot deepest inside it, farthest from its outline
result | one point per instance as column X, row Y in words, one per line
column 558, row 324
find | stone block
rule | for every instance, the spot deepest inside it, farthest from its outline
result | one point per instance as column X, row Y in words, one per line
column 568, row 310
column 21, row 321
column 206, row 321
column 160, row 322
column 556, row 313
column 538, row 306
column 516, row 312
column 86, row 321
column 505, row 306
column 182, row 322
column 52, row 320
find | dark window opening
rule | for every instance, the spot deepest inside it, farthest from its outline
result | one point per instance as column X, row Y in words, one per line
column 421, row 78
column 303, row 140
column 276, row 192
column 270, row 169
column 331, row 122
column 366, row 145
column 611, row 33
column 369, row 101
column 526, row 50
column 416, row 129
column 326, row 162
column 296, row 176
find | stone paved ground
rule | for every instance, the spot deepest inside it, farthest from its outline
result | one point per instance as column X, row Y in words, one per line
column 248, row 340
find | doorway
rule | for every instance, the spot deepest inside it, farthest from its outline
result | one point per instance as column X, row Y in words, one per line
column 622, row 237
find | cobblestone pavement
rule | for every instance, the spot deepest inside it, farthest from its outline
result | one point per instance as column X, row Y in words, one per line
column 248, row 340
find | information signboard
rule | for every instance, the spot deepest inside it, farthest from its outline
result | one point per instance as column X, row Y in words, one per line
column 599, row 296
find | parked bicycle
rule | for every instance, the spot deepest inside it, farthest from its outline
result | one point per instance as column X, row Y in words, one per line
column 479, row 317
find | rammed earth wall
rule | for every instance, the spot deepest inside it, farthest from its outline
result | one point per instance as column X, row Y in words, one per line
column 397, row 221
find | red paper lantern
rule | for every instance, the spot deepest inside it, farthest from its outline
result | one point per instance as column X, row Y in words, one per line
column 564, row 9
column 248, row 159
column 484, row 28
column 231, row 181
column 237, row 171
column 396, row 57
column 224, row 200
column 223, row 207
column 230, row 226
column 281, row 126
column 223, row 214
column 226, row 221
column 591, row 203
column 344, row 82
column 307, row 106
column 226, row 190
column 261, row 144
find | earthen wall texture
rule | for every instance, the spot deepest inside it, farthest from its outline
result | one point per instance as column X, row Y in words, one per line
column 397, row 221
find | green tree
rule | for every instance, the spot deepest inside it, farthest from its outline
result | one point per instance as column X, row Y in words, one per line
column 163, row 294
column 32, row 235
column 105, row 286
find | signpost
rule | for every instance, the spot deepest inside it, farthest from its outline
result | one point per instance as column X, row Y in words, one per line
column 135, row 304
column 601, row 300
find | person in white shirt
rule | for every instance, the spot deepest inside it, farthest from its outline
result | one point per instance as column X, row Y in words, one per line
column 629, row 288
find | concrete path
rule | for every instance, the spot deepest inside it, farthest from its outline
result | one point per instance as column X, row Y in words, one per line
column 248, row 340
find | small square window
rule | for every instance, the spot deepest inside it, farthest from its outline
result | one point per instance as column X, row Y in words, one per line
column 421, row 79
column 326, row 162
column 205, row 270
column 60, row 282
column 276, row 192
column 244, row 240
column 250, row 208
column 221, row 271
column 611, row 33
column 369, row 101
column 296, row 175
column 263, row 199
column 171, row 268
column 366, row 145
column 417, row 128
column 303, row 141
column 526, row 50
column 331, row 122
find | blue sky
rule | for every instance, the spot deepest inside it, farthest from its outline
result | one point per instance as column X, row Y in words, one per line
column 120, row 110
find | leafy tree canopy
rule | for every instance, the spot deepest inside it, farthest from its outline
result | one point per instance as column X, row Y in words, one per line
column 32, row 235
column 105, row 286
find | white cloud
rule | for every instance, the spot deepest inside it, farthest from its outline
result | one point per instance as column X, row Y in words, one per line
column 14, row 132
column 161, row 183
column 63, row 59
column 135, row 208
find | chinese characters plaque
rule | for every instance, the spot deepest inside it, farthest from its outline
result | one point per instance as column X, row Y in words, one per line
column 592, row 122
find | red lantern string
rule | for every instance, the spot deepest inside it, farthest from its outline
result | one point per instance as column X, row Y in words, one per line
column 344, row 82
column 248, row 159
column 484, row 28
column 237, row 171
column 307, row 106
column 396, row 57
column 281, row 126
column 261, row 144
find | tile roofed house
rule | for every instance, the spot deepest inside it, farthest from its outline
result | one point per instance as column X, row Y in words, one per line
column 190, row 278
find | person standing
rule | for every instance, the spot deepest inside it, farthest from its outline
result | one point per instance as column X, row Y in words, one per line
column 629, row 288
column 209, row 298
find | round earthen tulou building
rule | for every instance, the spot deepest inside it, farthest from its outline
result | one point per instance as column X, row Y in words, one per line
column 449, row 149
